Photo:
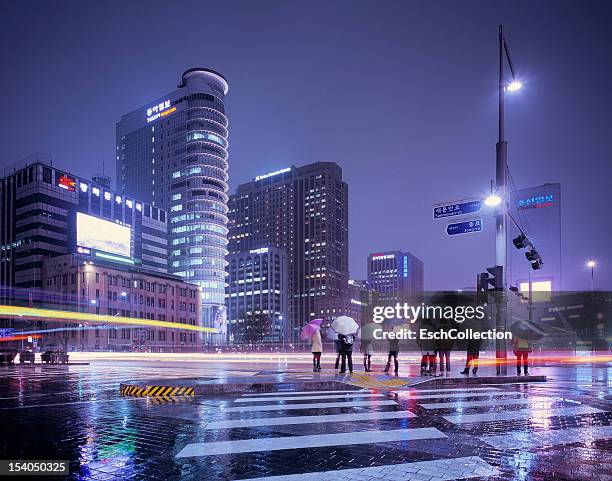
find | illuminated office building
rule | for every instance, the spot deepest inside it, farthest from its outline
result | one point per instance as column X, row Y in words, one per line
column 538, row 211
column 47, row 212
column 173, row 153
column 303, row 210
column 395, row 275
column 257, row 286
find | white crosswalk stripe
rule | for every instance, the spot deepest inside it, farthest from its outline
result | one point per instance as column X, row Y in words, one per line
column 309, row 441
column 294, row 393
column 452, row 389
column 489, row 402
column 328, row 418
column 416, row 395
column 306, row 398
column 300, row 406
column 523, row 440
column 520, row 414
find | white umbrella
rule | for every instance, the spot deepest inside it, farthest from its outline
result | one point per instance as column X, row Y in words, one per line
column 345, row 325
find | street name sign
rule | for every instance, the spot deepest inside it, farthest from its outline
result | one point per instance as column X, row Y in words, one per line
column 452, row 209
column 465, row 227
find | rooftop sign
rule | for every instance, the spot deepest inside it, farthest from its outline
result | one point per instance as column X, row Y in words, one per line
column 272, row 174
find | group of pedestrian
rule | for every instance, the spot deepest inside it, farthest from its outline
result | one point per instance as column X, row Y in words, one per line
column 431, row 350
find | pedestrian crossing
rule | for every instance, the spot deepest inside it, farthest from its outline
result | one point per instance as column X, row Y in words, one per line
column 370, row 419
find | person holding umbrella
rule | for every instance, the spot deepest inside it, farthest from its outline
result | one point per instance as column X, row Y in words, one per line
column 346, row 327
column 521, row 349
column 312, row 331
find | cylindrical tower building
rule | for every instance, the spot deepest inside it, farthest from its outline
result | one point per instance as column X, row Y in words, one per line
column 173, row 153
column 202, row 215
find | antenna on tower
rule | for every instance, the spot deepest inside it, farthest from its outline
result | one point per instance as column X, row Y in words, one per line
column 102, row 179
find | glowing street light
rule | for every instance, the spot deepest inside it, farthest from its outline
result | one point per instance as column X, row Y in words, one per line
column 514, row 86
column 591, row 263
column 493, row 200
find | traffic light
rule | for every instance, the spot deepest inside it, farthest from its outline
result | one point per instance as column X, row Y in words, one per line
column 482, row 284
column 521, row 241
column 534, row 257
column 496, row 277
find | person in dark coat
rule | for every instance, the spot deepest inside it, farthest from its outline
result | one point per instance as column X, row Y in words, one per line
column 393, row 353
column 444, row 348
column 521, row 349
column 338, row 346
column 473, row 352
column 346, row 351
column 428, row 350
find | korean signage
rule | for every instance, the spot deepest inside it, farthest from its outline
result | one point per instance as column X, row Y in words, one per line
column 465, row 227
column 462, row 207
column 160, row 110
column 535, row 201
column 381, row 257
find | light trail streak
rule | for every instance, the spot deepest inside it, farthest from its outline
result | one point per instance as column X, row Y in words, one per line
column 49, row 314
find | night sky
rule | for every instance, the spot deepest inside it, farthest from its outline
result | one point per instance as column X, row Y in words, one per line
column 401, row 94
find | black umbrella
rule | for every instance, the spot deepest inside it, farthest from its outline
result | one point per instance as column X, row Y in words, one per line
column 527, row 330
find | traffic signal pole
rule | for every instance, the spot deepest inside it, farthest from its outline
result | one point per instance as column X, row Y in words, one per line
column 501, row 169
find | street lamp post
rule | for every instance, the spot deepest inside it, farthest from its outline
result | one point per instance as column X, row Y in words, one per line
column 501, row 174
column 592, row 264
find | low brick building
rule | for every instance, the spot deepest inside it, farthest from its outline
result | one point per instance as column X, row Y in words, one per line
column 89, row 286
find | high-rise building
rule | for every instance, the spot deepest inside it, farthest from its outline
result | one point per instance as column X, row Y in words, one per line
column 357, row 303
column 47, row 212
column 173, row 153
column 395, row 275
column 257, row 288
column 303, row 210
column 538, row 211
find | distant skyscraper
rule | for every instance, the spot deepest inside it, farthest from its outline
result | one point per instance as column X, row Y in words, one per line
column 258, row 286
column 395, row 275
column 173, row 153
column 303, row 210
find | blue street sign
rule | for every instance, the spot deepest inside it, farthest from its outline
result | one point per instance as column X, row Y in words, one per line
column 463, row 207
column 7, row 333
column 465, row 227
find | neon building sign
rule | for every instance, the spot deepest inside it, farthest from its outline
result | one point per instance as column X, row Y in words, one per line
column 272, row 174
column 380, row 257
column 536, row 201
column 160, row 110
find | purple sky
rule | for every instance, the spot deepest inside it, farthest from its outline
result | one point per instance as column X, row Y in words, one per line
column 401, row 94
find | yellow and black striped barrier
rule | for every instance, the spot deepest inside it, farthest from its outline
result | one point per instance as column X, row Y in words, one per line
column 155, row 391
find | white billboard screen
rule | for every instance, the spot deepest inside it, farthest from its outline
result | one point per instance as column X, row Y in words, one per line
column 103, row 235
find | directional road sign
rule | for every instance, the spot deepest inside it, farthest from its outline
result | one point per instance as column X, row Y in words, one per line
column 465, row 227
column 462, row 207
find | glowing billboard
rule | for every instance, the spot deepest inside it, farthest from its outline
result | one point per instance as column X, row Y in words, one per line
column 103, row 235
